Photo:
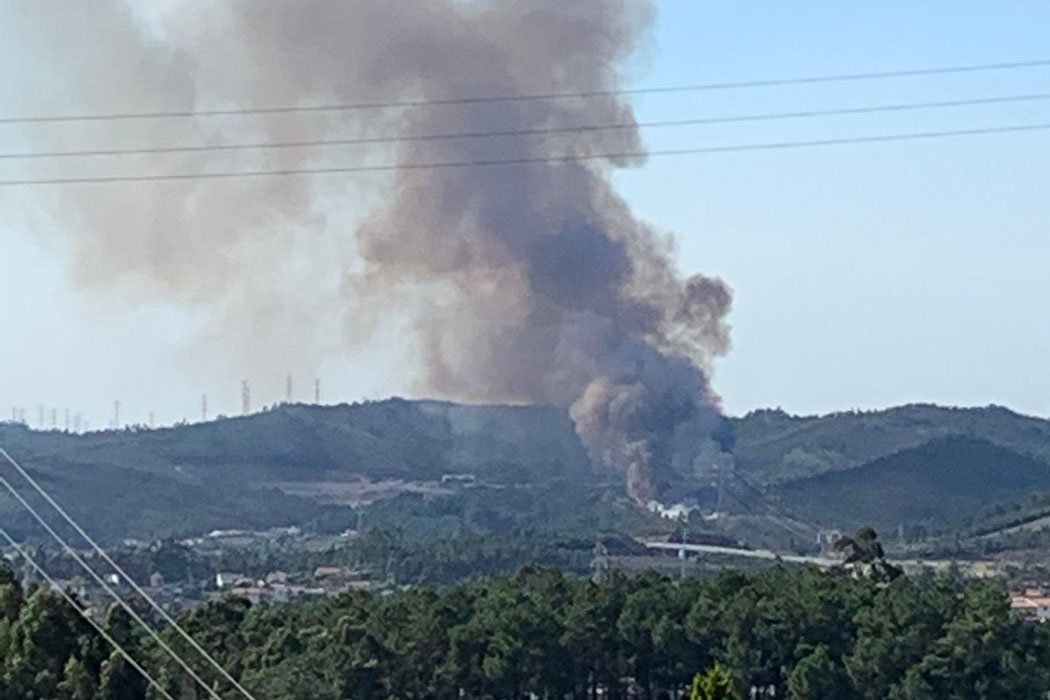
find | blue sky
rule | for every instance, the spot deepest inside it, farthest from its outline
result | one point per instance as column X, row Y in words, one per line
column 865, row 275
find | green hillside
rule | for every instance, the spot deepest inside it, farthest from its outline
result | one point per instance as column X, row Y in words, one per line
column 943, row 482
column 773, row 446
column 304, row 465
column 252, row 472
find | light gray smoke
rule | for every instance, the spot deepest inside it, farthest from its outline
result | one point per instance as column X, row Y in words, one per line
column 534, row 283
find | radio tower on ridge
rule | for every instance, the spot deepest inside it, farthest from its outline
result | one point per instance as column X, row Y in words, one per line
column 246, row 398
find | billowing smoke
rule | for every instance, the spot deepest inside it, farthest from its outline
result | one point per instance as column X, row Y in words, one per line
column 528, row 283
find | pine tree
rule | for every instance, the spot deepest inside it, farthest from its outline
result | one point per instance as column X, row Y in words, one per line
column 716, row 684
column 77, row 683
column 120, row 681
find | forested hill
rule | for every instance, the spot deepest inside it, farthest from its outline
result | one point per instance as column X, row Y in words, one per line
column 942, row 483
column 385, row 439
column 773, row 446
column 298, row 464
column 271, row 469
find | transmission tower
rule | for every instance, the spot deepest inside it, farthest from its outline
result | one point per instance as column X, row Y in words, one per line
column 600, row 562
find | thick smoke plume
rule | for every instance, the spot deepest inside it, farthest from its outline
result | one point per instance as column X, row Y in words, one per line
column 530, row 283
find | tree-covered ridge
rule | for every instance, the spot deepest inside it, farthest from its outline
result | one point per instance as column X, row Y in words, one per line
column 235, row 472
column 941, row 483
column 773, row 446
column 914, row 466
column 803, row 634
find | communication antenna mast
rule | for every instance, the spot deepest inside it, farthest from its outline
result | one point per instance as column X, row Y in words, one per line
column 246, row 398
column 76, row 423
column 317, row 391
column 204, row 408
column 116, row 415
column 54, row 419
column 67, row 420
column 151, row 420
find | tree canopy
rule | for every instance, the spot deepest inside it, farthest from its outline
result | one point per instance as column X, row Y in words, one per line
column 800, row 634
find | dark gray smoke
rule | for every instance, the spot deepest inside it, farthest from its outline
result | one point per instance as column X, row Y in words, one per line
column 530, row 283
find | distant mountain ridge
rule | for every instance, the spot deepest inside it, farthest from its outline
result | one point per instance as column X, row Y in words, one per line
column 221, row 474
column 911, row 463
column 775, row 447
column 942, row 482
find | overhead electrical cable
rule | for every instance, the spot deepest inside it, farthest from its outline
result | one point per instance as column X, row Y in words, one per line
column 109, row 591
column 764, row 500
column 497, row 162
column 109, row 560
column 481, row 99
column 84, row 613
column 538, row 131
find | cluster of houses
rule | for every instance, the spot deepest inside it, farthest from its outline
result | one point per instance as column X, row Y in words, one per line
column 1032, row 604
column 278, row 586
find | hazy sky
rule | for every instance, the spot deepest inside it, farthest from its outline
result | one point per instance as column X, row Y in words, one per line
column 865, row 275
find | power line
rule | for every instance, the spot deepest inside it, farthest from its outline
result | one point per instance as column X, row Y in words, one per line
column 584, row 128
column 105, row 587
column 163, row 613
column 764, row 500
column 584, row 94
column 84, row 614
column 481, row 163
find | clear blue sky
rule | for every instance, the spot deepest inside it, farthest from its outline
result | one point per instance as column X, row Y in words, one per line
column 865, row 276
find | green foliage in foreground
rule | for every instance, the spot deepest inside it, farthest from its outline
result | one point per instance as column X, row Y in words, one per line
column 804, row 634
column 716, row 684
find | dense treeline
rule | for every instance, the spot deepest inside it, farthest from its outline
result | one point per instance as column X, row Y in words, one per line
column 804, row 634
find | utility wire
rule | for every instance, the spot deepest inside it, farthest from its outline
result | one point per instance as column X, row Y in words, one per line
column 579, row 157
column 763, row 500
column 98, row 579
column 163, row 613
column 84, row 614
column 585, row 128
column 699, row 87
